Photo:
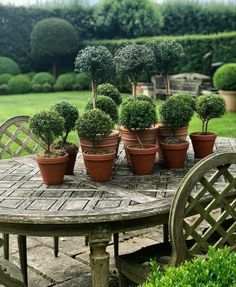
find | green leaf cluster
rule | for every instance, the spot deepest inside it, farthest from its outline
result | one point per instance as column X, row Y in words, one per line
column 225, row 77
column 110, row 91
column 4, row 78
column 43, row 78
column 8, row 66
column 19, row 84
column 66, row 81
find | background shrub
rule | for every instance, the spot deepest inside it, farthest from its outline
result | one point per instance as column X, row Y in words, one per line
column 225, row 77
column 37, row 88
column 4, row 90
column 4, row 78
column 82, row 81
column 9, row 66
column 46, row 88
column 110, row 91
column 19, row 84
column 43, row 78
column 66, row 82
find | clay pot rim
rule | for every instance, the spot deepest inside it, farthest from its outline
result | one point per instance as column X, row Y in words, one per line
column 99, row 157
column 148, row 149
column 51, row 160
column 178, row 146
column 201, row 136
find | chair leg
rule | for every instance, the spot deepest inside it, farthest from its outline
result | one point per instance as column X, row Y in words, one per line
column 6, row 246
column 116, row 244
column 165, row 233
column 56, row 246
column 123, row 281
column 23, row 257
column 86, row 241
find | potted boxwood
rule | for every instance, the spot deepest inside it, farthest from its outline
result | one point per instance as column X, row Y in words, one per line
column 94, row 125
column 175, row 113
column 208, row 107
column 47, row 125
column 70, row 114
column 224, row 79
column 136, row 116
column 110, row 91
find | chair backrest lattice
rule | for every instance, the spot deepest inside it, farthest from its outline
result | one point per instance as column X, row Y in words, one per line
column 16, row 139
column 203, row 211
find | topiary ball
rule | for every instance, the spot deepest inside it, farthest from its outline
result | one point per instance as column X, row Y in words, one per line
column 225, row 77
column 37, row 88
column 9, row 66
column 19, row 84
column 140, row 98
column 187, row 99
column 4, row 90
column 83, row 81
column 105, row 104
column 66, row 81
column 43, row 78
column 5, row 78
column 110, row 91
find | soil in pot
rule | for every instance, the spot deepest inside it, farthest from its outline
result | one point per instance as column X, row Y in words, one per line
column 52, row 169
column 175, row 154
column 202, row 143
column 142, row 158
column 99, row 164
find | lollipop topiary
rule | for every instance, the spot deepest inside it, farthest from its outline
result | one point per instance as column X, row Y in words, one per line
column 110, row 91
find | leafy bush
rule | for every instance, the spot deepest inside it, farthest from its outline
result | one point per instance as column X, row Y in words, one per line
column 137, row 114
column 47, row 125
column 217, row 271
column 209, row 107
column 110, row 91
column 4, row 90
column 19, row 84
column 37, row 88
column 105, row 104
column 57, row 88
column 31, row 75
column 66, row 81
column 46, row 88
column 225, row 77
column 43, row 78
column 140, row 98
column 8, row 66
column 94, row 125
column 82, row 81
column 4, row 78
column 186, row 98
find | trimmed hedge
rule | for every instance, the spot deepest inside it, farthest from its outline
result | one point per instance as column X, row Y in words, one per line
column 43, row 78
column 66, row 82
column 4, row 78
column 225, row 77
column 9, row 66
column 19, row 84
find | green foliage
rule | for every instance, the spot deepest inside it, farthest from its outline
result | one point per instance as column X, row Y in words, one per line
column 132, row 60
column 46, row 88
column 186, row 98
column 19, row 84
column 4, row 78
column 31, row 74
column 43, row 78
column 70, row 115
column 110, row 91
column 94, row 125
column 47, row 126
column 175, row 113
column 8, row 66
column 225, row 77
column 4, row 90
column 106, row 105
column 66, row 81
column 208, row 107
column 137, row 114
column 82, row 81
column 219, row 270
column 37, row 88
column 127, row 18
column 140, row 98
column 96, row 62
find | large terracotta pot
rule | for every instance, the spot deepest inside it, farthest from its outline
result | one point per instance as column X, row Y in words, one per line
column 142, row 159
column 175, row 154
column 147, row 136
column 230, row 100
column 202, row 143
column 72, row 153
column 52, row 169
column 164, row 132
column 99, row 165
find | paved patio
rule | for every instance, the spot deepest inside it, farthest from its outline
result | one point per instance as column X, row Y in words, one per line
column 71, row 268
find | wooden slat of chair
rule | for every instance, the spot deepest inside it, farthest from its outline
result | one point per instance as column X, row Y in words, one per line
column 207, row 187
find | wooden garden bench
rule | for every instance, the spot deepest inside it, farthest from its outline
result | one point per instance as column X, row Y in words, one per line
column 203, row 213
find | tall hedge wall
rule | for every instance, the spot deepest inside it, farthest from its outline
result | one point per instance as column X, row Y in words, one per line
column 223, row 46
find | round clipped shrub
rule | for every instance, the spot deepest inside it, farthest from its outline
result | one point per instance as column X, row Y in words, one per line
column 19, row 84
column 110, row 91
column 4, row 78
column 186, row 98
column 43, row 78
column 66, row 81
column 94, row 125
column 4, row 90
column 140, row 98
column 57, row 88
column 31, row 75
column 138, row 115
column 82, row 81
column 8, row 66
column 46, row 88
column 225, row 77
column 37, row 88
column 105, row 104
column 209, row 107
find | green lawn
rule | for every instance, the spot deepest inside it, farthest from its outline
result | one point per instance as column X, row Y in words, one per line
column 29, row 104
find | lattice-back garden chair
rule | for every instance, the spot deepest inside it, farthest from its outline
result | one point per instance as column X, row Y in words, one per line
column 17, row 140
column 203, row 213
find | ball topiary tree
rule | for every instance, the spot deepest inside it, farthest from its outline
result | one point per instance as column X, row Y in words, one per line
column 19, row 84
column 110, row 91
column 167, row 54
column 43, row 78
column 97, row 63
column 8, row 66
column 132, row 60
column 53, row 38
column 225, row 77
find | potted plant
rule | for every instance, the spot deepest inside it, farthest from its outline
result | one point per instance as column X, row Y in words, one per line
column 47, row 125
column 110, row 91
column 95, row 125
column 175, row 113
column 224, row 79
column 136, row 116
column 208, row 107
column 70, row 114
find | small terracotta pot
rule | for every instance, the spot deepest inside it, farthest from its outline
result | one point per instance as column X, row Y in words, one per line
column 202, row 143
column 142, row 159
column 147, row 136
column 99, row 165
column 52, row 169
column 72, row 153
column 175, row 154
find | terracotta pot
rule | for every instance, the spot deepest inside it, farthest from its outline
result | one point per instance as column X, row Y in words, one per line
column 52, row 169
column 147, row 136
column 164, row 132
column 99, row 165
column 230, row 100
column 202, row 143
column 142, row 159
column 175, row 154
column 72, row 153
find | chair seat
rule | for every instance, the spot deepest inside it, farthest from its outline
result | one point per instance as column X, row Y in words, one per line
column 10, row 274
